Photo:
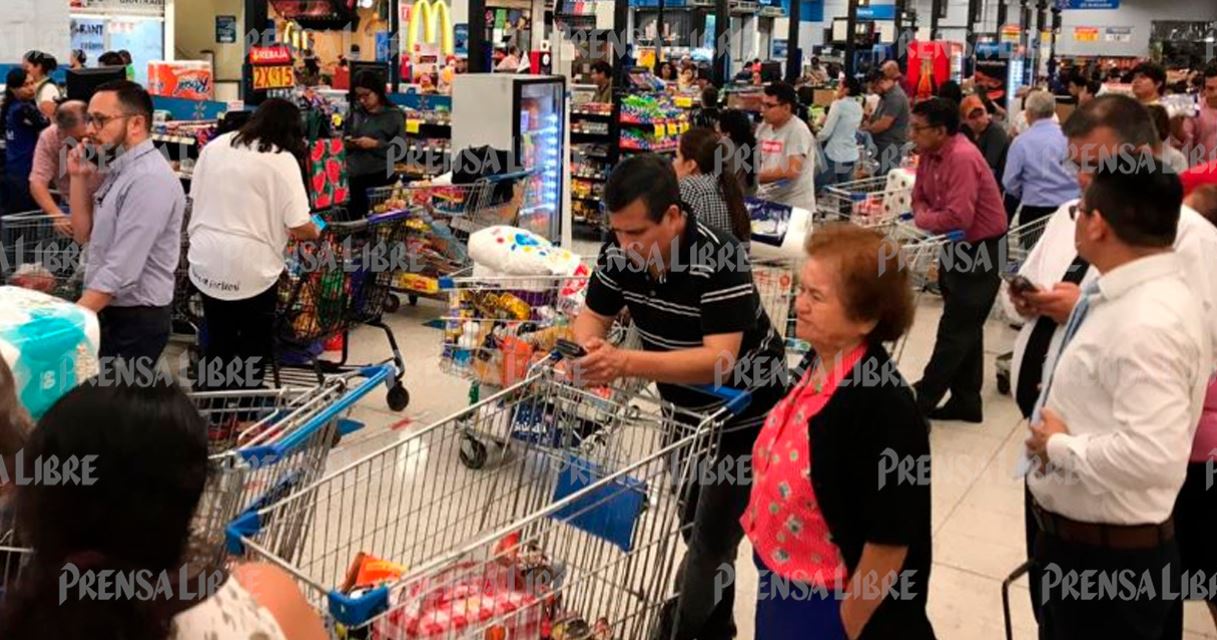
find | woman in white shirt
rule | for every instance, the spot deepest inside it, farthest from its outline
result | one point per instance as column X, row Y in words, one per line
column 839, row 135
column 248, row 199
column 128, row 521
column 39, row 66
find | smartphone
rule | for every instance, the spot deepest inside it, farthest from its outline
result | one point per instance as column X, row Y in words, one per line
column 571, row 350
column 1019, row 284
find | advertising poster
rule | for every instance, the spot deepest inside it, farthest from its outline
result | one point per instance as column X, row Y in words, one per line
column 993, row 70
column 89, row 36
column 226, row 29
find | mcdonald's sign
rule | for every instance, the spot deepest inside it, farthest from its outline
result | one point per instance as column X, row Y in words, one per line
column 435, row 20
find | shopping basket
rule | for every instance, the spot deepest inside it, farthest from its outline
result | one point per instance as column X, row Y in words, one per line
column 279, row 441
column 37, row 254
column 336, row 283
column 549, row 536
column 871, row 202
column 441, row 217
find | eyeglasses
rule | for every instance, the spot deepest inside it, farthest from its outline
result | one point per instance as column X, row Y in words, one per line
column 1076, row 209
column 100, row 120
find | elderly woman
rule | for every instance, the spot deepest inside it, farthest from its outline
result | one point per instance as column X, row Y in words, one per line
column 839, row 515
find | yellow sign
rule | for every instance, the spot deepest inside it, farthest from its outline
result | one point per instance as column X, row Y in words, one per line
column 274, row 78
column 1085, row 34
column 430, row 15
column 684, row 102
column 412, row 126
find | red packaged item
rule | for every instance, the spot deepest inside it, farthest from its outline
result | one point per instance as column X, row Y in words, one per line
column 468, row 594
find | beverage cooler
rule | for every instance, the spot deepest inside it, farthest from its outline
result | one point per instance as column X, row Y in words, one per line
column 525, row 115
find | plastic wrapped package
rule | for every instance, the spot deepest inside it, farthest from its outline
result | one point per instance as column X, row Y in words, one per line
column 51, row 345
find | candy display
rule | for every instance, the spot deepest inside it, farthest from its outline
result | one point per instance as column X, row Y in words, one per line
column 651, row 123
column 50, row 345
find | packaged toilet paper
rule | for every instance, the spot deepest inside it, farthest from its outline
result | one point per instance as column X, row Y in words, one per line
column 51, row 345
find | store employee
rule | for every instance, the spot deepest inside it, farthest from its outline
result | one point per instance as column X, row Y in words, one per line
column 133, row 225
column 690, row 293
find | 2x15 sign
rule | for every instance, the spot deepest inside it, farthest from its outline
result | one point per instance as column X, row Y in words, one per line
column 273, row 78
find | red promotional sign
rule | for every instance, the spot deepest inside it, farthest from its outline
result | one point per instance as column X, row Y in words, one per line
column 276, row 55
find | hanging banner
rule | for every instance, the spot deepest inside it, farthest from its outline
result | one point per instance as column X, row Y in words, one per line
column 1085, row 34
column 1011, row 33
column 1118, row 34
column 275, row 55
column 280, row 77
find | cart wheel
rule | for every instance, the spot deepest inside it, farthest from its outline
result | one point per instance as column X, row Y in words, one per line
column 392, row 304
column 1003, row 384
column 398, row 398
column 473, row 453
column 413, row 298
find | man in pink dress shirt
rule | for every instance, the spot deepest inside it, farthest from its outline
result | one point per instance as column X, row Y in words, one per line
column 50, row 160
column 956, row 192
column 1198, row 134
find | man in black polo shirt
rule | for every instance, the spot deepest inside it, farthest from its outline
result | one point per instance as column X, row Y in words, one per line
column 690, row 293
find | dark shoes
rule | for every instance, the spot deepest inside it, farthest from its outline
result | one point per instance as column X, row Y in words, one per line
column 961, row 410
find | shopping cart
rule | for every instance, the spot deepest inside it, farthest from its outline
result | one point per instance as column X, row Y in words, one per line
column 39, row 253
column 1020, row 240
column 441, row 217
column 920, row 253
column 274, row 440
column 553, row 540
column 334, row 284
column 871, row 202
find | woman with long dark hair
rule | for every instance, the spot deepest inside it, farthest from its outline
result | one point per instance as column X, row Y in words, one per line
column 711, row 192
column 21, row 122
column 736, row 126
column 248, row 199
column 39, row 66
column 129, row 515
column 374, row 124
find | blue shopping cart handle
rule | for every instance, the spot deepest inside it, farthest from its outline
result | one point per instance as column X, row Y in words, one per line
column 736, row 400
column 955, row 236
column 373, row 376
column 245, row 525
column 355, row 611
column 446, row 283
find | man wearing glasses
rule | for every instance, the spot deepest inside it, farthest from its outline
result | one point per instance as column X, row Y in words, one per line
column 787, row 148
column 956, row 191
column 1109, row 129
column 132, row 224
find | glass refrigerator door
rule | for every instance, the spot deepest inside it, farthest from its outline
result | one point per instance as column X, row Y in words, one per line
column 540, row 149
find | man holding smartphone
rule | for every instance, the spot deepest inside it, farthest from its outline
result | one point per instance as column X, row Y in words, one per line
column 1104, row 129
column 690, row 293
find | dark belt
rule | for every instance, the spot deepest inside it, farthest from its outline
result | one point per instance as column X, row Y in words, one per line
column 1109, row 536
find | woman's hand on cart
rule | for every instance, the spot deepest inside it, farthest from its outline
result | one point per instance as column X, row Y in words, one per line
column 63, row 224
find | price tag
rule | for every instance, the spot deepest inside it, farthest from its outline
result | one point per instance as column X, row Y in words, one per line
column 659, row 130
column 684, row 102
column 412, row 126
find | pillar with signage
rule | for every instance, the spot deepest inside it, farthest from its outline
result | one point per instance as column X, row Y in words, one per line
column 271, row 72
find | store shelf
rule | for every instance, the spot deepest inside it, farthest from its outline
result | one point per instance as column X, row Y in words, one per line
column 172, row 139
column 587, row 178
column 587, row 198
column 591, row 114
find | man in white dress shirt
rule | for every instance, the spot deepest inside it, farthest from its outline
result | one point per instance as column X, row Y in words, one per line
column 1098, row 130
column 1112, row 429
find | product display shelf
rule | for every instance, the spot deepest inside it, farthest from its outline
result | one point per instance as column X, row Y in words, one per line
column 181, row 142
column 593, row 153
column 429, row 133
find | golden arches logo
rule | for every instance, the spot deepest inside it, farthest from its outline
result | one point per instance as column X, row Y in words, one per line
column 430, row 15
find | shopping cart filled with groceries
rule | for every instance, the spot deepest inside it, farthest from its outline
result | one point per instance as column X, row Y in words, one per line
column 546, row 542
column 264, row 444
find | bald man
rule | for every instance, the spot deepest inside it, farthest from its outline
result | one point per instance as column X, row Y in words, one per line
column 50, row 158
column 891, row 70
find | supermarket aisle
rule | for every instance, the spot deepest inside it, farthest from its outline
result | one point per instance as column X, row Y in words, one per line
column 977, row 505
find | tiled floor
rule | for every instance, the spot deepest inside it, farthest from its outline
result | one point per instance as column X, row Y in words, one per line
column 977, row 503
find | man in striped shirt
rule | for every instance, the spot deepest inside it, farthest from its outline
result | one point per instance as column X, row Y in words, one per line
column 690, row 293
